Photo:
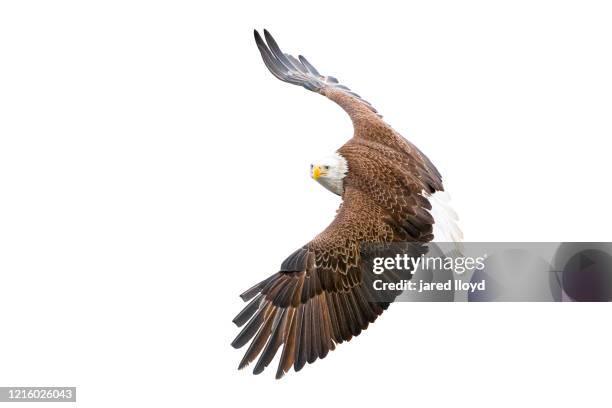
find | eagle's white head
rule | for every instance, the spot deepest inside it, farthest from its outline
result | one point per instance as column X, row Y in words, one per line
column 330, row 172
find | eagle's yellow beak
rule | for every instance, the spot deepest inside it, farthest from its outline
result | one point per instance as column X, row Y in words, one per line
column 316, row 172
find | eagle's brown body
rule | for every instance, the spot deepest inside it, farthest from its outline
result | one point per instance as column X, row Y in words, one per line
column 317, row 299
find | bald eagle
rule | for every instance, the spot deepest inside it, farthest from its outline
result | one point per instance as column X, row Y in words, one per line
column 391, row 192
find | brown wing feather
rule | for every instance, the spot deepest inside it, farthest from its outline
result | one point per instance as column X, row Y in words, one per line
column 299, row 71
column 318, row 299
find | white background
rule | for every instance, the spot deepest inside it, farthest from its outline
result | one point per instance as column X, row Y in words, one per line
column 151, row 169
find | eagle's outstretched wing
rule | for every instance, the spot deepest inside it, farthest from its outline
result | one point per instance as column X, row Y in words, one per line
column 368, row 124
column 299, row 71
column 320, row 297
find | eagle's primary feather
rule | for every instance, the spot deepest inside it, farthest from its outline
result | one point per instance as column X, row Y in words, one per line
column 318, row 298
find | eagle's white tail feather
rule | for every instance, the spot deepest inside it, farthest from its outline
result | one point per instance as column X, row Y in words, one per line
column 445, row 228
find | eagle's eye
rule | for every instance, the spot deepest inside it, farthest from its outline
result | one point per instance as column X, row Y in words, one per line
column 326, row 167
